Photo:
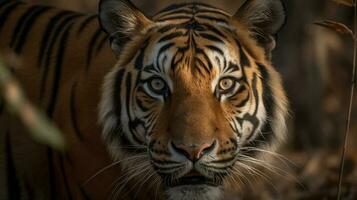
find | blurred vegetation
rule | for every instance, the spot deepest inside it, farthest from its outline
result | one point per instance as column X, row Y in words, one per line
column 40, row 127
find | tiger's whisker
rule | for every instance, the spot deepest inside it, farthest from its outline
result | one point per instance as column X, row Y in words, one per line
column 276, row 170
column 132, row 173
column 108, row 167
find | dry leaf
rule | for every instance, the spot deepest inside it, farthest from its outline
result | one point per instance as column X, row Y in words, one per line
column 345, row 2
column 336, row 26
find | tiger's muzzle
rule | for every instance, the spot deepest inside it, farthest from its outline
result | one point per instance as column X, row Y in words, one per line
column 194, row 164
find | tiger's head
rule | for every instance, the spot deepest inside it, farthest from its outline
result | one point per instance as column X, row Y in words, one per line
column 193, row 96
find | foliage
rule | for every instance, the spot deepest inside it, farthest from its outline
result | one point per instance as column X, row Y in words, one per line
column 345, row 2
column 40, row 127
column 343, row 29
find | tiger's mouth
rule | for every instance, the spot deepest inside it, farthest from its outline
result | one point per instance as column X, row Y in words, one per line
column 194, row 178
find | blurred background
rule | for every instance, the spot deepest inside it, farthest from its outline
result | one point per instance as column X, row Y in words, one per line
column 316, row 66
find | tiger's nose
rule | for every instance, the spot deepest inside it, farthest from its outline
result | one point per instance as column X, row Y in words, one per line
column 194, row 151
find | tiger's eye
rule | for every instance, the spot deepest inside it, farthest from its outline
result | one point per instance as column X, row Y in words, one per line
column 157, row 84
column 226, row 84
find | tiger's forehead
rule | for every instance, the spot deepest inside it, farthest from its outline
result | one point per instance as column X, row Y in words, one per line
column 196, row 44
column 197, row 54
column 192, row 43
column 181, row 12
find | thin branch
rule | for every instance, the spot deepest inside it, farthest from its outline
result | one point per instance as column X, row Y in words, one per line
column 40, row 127
column 348, row 122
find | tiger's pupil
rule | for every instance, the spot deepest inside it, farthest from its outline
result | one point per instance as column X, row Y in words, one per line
column 157, row 84
column 226, row 84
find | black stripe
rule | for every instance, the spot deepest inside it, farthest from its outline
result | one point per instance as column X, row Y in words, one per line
column 224, row 161
column 163, row 162
column 101, row 44
column 191, row 6
column 244, row 60
column 84, row 194
column 27, row 27
column 86, row 22
column 117, row 109
column 175, row 18
column 56, row 34
column 232, row 67
column 212, row 18
column 268, row 99
column 198, row 67
column 253, row 118
column 167, row 28
column 51, row 174
column 22, row 22
column 50, row 108
column 141, row 102
column 211, row 37
column 13, row 185
column 139, row 62
column 65, row 179
column 68, row 159
column 200, row 51
column 177, row 11
column 195, row 5
column 125, row 142
column 216, row 49
column 266, row 135
column 216, row 11
column 165, row 47
column 243, row 102
column 53, row 101
column 177, row 58
column 131, row 123
column 49, row 51
column 4, row 14
column 48, row 33
column 117, row 92
column 74, row 112
column 171, row 36
column 58, row 71
column 214, row 30
column 234, row 126
column 200, row 64
column 92, row 46
column 127, row 95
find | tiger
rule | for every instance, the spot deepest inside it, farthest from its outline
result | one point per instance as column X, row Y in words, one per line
column 184, row 104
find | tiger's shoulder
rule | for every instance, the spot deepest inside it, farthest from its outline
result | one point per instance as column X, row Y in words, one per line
column 60, row 58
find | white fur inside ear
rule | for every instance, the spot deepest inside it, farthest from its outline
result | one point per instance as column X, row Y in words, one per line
column 258, row 13
column 121, row 17
column 272, row 44
column 267, row 16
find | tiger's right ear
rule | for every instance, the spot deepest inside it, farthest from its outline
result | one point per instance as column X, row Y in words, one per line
column 121, row 19
column 264, row 18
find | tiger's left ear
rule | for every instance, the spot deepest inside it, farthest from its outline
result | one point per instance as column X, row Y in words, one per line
column 264, row 19
column 122, row 20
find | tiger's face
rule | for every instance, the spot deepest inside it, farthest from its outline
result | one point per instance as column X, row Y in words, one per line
column 193, row 90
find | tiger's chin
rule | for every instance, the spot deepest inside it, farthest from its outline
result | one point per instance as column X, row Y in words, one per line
column 194, row 192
